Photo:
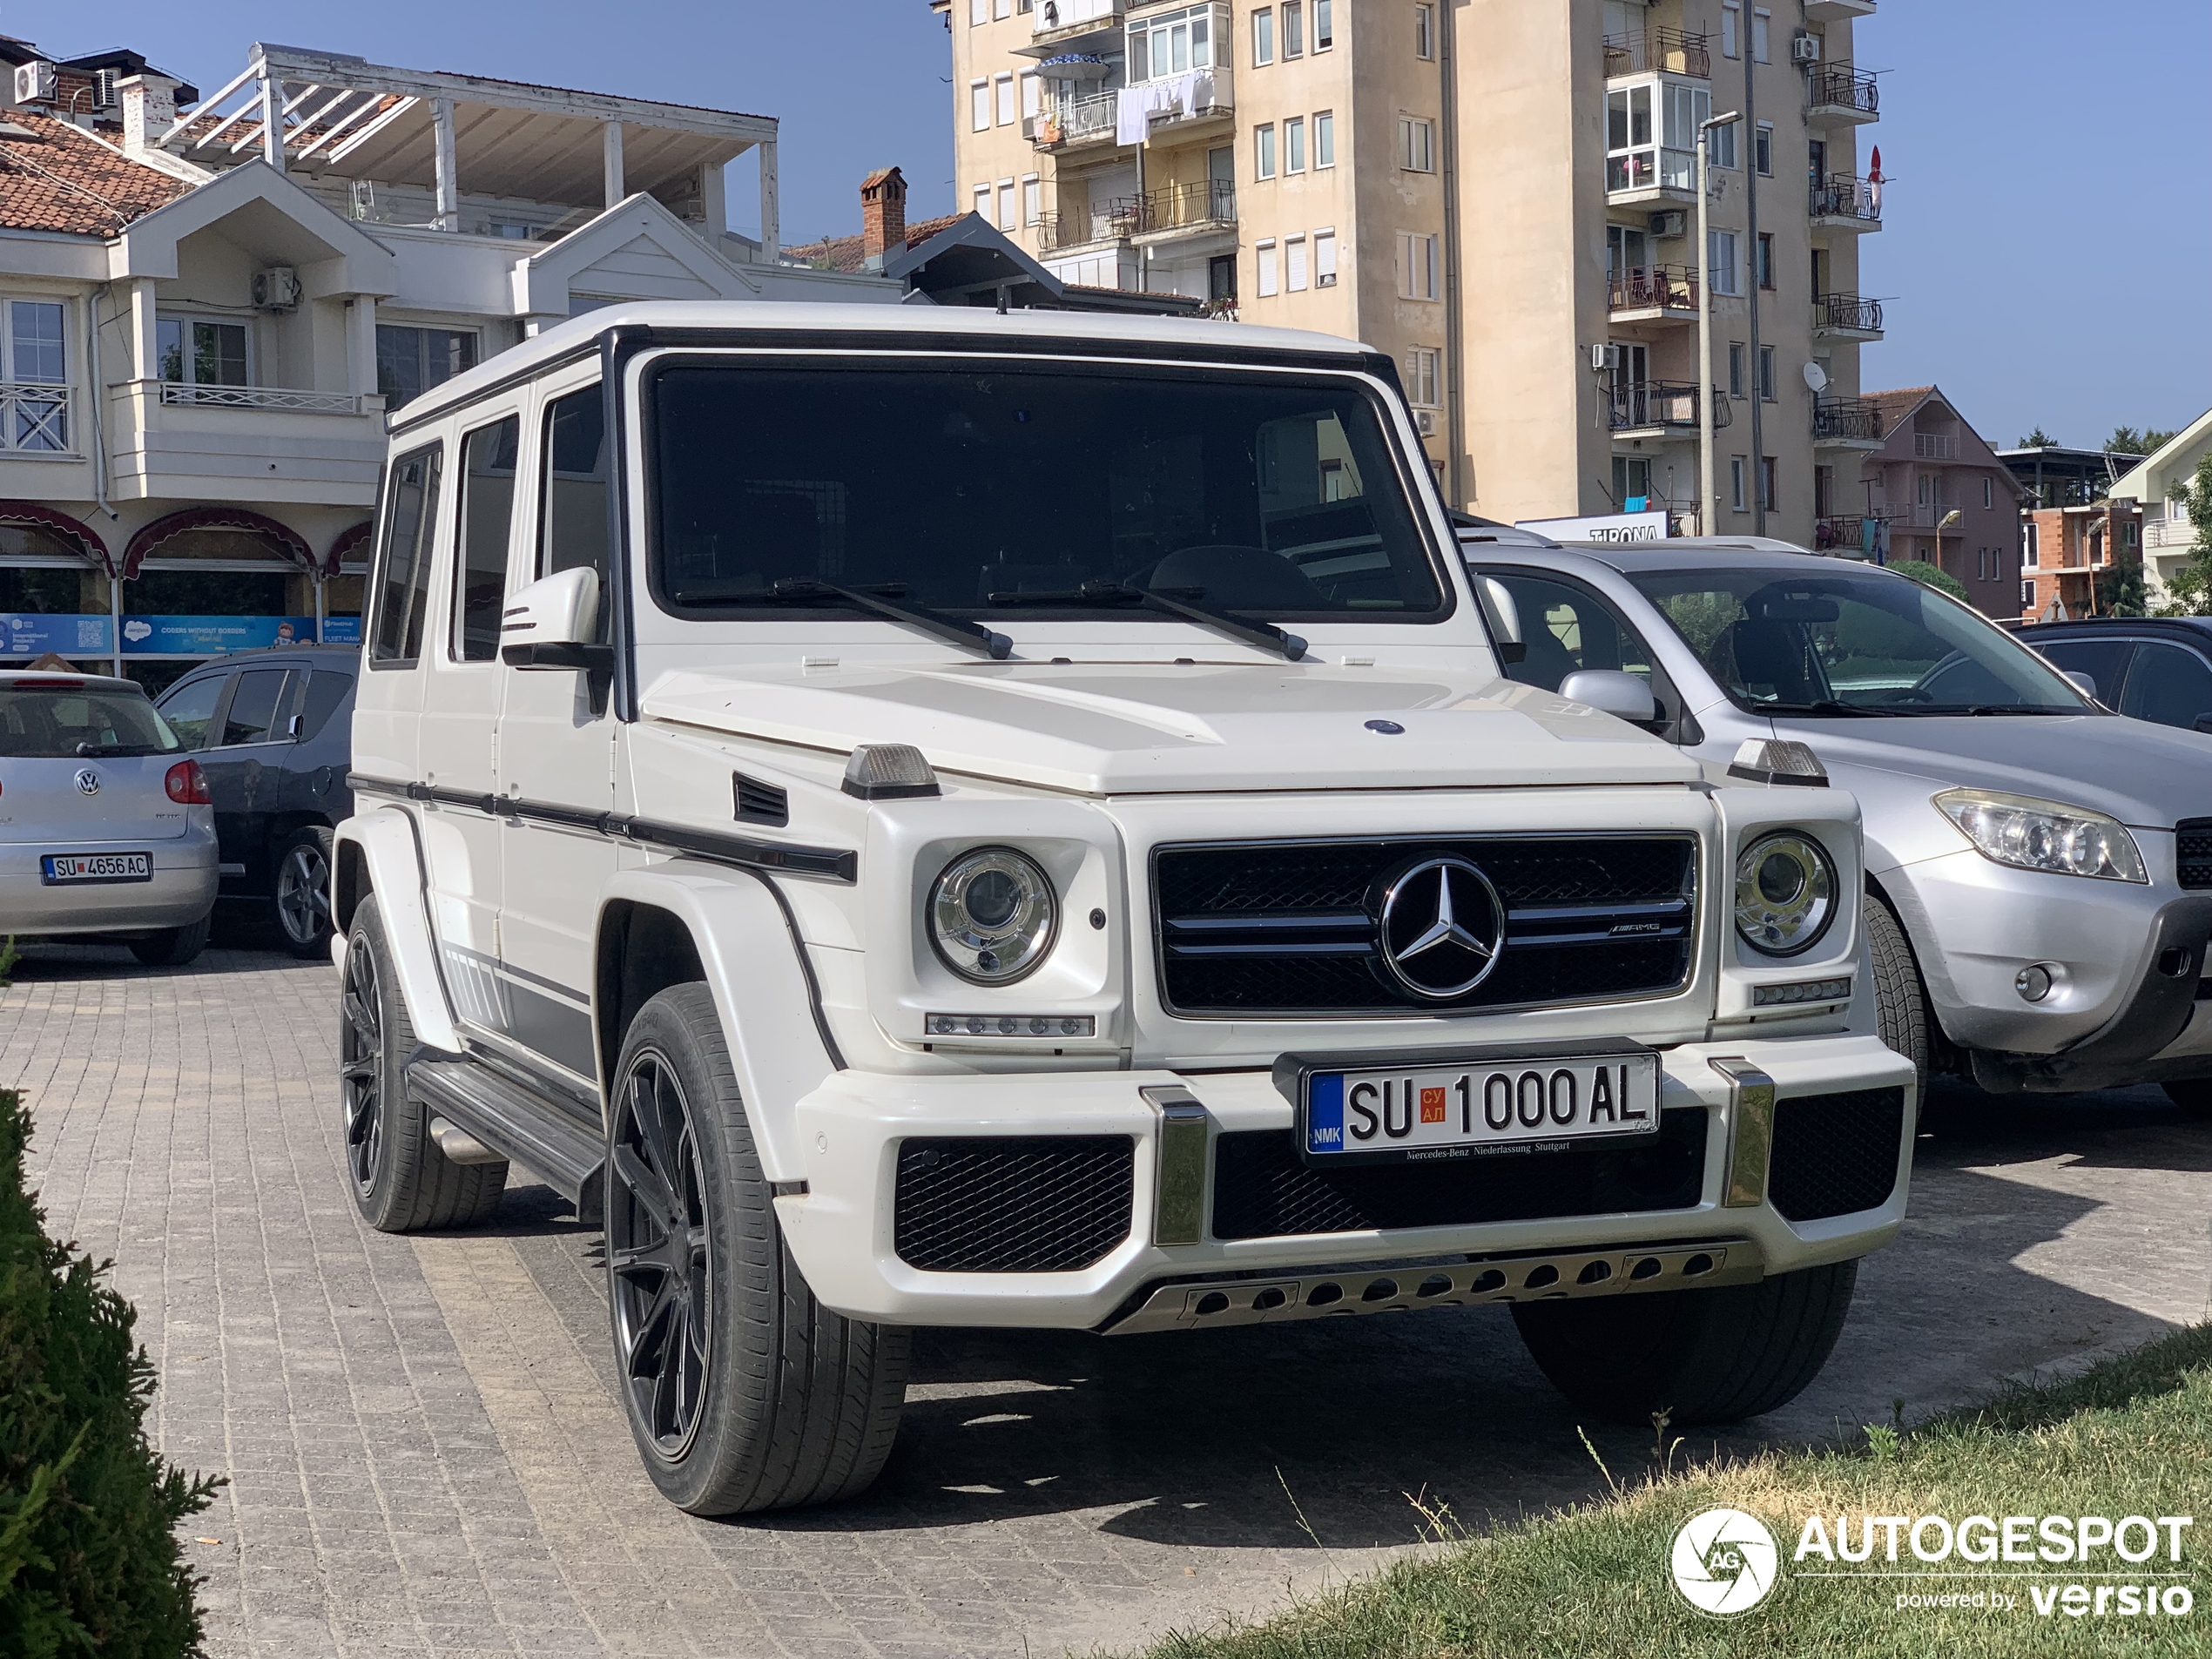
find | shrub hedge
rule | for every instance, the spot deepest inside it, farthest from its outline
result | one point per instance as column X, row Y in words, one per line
column 89, row 1562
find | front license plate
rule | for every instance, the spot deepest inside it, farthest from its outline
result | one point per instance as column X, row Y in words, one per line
column 1439, row 1109
column 62, row 869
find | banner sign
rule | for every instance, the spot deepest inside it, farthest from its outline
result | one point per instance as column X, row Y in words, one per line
column 341, row 631
column 1610, row 527
column 29, row 633
column 212, row 636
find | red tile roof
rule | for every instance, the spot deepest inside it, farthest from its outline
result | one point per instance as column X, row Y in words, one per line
column 60, row 179
column 846, row 252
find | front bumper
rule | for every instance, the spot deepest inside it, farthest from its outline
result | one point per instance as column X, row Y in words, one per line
column 843, row 1228
column 181, row 892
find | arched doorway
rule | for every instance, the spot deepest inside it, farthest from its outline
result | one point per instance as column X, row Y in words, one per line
column 54, row 595
column 344, row 585
column 208, row 581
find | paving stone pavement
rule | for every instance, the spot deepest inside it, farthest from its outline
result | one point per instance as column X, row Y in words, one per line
column 425, row 1455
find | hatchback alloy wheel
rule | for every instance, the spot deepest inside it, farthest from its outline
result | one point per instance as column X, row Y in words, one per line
column 361, row 1064
column 660, row 1267
column 303, row 893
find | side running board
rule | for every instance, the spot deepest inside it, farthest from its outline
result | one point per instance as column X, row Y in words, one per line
column 520, row 1124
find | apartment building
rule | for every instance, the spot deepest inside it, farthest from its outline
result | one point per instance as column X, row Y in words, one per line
column 1935, row 491
column 2156, row 486
column 1501, row 195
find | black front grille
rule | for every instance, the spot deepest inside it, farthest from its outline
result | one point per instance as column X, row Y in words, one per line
column 1028, row 1204
column 1263, row 1191
column 1291, row 929
column 1835, row 1154
column 2193, row 852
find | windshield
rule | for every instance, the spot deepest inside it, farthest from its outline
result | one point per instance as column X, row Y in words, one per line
column 1016, row 493
column 55, row 720
column 1847, row 641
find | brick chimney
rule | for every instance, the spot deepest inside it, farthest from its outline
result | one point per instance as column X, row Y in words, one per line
column 883, row 216
column 149, row 109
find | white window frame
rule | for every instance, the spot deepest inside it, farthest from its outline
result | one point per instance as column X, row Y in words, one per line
column 2027, row 593
column 1417, row 265
column 1267, row 272
column 1722, row 141
column 36, row 412
column 1032, row 199
column 1425, row 33
column 8, row 304
column 1325, row 139
column 1416, row 143
column 1424, row 377
column 1292, row 38
column 2031, row 547
column 1210, row 53
column 1738, row 475
column 1324, row 259
column 1295, row 273
column 1766, row 375
column 1001, row 10
column 981, row 197
column 979, row 12
column 1263, row 37
column 1738, row 367
column 1724, row 274
column 1008, row 111
column 979, row 105
column 1008, row 211
column 1731, row 29
column 1264, row 155
column 1324, row 26
column 1032, row 103
column 1293, row 145
column 1762, row 32
column 253, row 356
column 1763, row 150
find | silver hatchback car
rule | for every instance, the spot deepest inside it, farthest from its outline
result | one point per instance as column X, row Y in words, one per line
column 106, row 829
column 2038, row 869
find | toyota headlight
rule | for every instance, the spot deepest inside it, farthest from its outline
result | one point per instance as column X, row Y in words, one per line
column 993, row 915
column 2031, row 834
column 1785, row 893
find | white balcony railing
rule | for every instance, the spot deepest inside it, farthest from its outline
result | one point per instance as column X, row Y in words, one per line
column 1054, row 15
column 260, row 397
column 33, row 419
column 1935, row 446
column 2170, row 533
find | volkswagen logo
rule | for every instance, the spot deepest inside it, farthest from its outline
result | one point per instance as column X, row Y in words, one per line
column 88, row 782
column 1443, row 929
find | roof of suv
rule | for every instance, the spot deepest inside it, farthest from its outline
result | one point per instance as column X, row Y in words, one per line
column 1682, row 554
column 579, row 335
column 2089, row 627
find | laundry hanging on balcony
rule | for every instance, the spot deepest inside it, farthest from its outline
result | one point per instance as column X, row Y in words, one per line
column 1184, row 94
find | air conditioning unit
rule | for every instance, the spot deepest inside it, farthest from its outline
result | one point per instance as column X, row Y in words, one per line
column 105, row 93
column 1805, row 48
column 276, row 288
column 1426, row 420
column 1673, row 222
column 35, row 82
column 1605, row 358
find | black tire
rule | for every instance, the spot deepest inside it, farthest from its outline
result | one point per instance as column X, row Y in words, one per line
column 1900, row 1000
column 173, row 946
column 743, row 1392
column 1715, row 1356
column 2193, row 1096
column 402, row 1183
column 302, row 892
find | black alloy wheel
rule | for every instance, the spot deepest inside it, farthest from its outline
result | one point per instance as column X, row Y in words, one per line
column 360, row 1064
column 660, row 1268
column 303, row 893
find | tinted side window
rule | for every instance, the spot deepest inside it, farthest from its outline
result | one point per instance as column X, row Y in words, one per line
column 325, row 693
column 2103, row 660
column 403, row 560
column 573, row 527
column 190, row 707
column 486, row 511
column 1567, row 628
column 2167, row 685
column 255, row 705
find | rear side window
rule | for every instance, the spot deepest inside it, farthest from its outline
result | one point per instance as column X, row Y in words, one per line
column 2168, row 684
column 487, row 513
column 256, row 706
column 191, row 707
column 403, row 561
column 2104, row 661
column 325, row 693
column 64, row 719
column 573, row 527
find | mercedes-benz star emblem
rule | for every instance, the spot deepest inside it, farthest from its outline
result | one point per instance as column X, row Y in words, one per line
column 1442, row 929
column 88, row 782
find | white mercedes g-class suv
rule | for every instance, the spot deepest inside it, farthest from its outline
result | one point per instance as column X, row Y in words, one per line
column 928, row 818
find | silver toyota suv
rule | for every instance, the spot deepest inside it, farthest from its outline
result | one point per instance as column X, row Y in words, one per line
column 933, row 818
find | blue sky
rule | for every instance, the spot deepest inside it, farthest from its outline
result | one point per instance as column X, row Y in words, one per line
column 2041, row 257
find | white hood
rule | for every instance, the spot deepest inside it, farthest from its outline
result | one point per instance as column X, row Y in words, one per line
column 1117, row 729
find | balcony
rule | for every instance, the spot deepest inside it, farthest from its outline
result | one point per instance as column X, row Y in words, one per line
column 1844, row 534
column 1843, row 202
column 2170, row 535
column 1846, row 316
column 1114, row 219
column 1642, row 51
column 1170, row 212
column 1652, row 293
column 1181, row 106
column 1847, row 423
column 1837, row 11
column 244, row 443
column 176, row 392
column 1089, row 120
column 35, row 420
column 1935, row 446
column 1062, row 24
column 1651, row 174
column 1838, row 95
column 1654, row 408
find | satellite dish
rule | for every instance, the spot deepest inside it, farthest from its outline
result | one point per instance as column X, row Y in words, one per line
column 1816, row 377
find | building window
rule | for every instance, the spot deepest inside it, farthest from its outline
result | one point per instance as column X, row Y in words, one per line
column 1005, row 204
column 1766, row 483
column 2130, row 534
column 1294, row 144
column 1763, row 149
column 410, row 361
column 37, row 355
column 195, row 353
column 1417, row 267
column 1736, row 349
column 1032, row 200
column 1295, row 252
column 1264, row 151
column 2029, row 545
column 1737, row 467
column 1030, row 104
column 1425, row 31
column 1766, row 373
column 2028, row 594
column 1002, row 8
column 1721, row 143
column 1006, row 100
column 1416, row 143
column 1324, row 24
column 1265, row 255
column 1423, row 377
column 1720, row 259
column 1263, row 38
column 1324, row 259
column 1760, row 18
column 1170, row 43
column 1325, row 139
column 979, row 11
column 1766, row 260
column 1293, row 30
column 1731, row 29
column 979, row 106
column 982, row 209
column 1988, row 493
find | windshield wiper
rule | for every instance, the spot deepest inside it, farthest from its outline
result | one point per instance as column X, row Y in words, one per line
column 1831, row 706
column 117, row 751
column 2000, row 708
column 883, row 599
column 1265, row 635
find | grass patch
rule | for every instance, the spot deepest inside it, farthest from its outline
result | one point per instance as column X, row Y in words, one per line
column 2131, row 1437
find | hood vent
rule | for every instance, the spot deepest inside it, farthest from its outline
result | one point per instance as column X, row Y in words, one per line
column 760, row 803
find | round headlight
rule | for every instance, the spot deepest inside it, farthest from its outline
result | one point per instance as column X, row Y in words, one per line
column 993, row 915
column 1785, row 894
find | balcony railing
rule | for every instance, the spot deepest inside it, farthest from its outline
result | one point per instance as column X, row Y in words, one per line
column 1052, row 16
column 1848, row 419
column 1637, row 404
column 33, row 419
column 1651, row 168
column 1851, row 311
column 1177, row 207
column 1653, row 288
column 1111, row 220
column 1074, row 123
column 1929, row 515
column 2169, row 532
column 1841, row 196
column 1935, row 446
column 1839, row 88
column 1642, row 50
column 260, row 397
column 1834, row 532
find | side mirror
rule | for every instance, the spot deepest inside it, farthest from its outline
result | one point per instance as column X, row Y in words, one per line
column 2085, row 684
column 550, row 624
column 1505, row 615
column 2204, row 723
column 1611, row 691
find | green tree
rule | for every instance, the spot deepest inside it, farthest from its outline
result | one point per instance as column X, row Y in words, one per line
column 2038, row 439
column 1929, row 576
column 2119, row 590
column 2188, row 591
column 2127, row 440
